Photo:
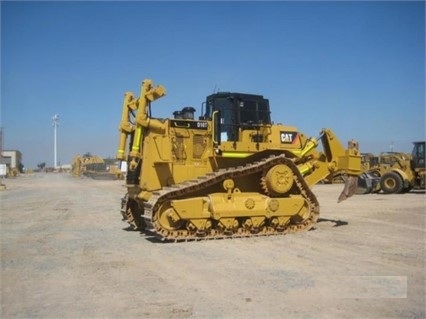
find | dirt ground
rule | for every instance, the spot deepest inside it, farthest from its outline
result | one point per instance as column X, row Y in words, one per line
column 65, row 253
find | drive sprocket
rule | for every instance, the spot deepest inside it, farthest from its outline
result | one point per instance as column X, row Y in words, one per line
column 278, row 180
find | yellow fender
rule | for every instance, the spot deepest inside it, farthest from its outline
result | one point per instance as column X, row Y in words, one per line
column 401, row 173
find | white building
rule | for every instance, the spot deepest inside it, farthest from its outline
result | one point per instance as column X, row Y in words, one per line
column 12, row 159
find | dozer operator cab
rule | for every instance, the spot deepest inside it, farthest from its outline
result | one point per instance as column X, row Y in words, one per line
column 418, row 155
column 232, row 112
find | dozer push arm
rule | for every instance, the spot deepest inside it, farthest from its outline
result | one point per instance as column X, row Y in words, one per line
column 149, row 93
column 334, row 158
column 126, row 127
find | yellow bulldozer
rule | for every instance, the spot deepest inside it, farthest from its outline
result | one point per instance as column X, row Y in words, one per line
column 86, row 164
column 230, row 173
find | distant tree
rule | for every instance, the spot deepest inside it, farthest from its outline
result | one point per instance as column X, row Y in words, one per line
column 41, row 165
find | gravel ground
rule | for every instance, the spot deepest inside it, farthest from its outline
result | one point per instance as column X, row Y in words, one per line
column 65, row 253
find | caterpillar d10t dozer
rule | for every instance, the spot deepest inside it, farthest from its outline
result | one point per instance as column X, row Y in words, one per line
column 230, row 173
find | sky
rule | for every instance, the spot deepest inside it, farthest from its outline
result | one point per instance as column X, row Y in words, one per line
column 357, row 68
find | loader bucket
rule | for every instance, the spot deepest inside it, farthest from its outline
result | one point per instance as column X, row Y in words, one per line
column 367, row 183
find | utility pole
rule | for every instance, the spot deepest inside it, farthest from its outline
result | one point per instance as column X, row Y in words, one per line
column 1, row 145
column 55, row 123
column 3, row 169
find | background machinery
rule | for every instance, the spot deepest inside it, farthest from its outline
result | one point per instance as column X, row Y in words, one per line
column 95, row 167
column 396, row 172
column 86, row 164
column 231, row 172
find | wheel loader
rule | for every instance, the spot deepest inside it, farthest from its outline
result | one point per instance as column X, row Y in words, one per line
column 397, row 172
column 230, row 173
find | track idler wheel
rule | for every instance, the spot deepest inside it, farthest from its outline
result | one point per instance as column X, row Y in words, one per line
column 168, row 219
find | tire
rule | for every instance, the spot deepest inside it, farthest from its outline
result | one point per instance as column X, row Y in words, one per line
column 391, row 183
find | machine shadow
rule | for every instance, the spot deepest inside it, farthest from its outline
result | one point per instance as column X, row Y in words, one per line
column 337, row 223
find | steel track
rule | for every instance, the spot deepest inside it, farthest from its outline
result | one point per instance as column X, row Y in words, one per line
column 185, row 189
